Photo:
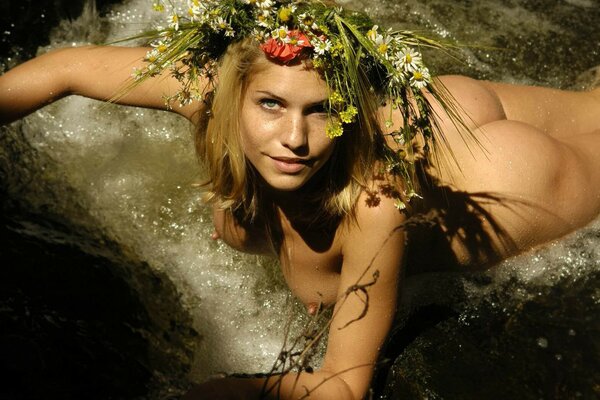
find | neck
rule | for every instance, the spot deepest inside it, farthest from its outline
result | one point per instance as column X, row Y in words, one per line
column 295, row 202
column 302, row 198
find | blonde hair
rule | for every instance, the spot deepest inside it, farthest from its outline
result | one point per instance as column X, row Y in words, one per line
column 233, row 182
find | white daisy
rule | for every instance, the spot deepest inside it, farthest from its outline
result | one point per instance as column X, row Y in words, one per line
column 321, row 46
column 260, row 35
column 174, row 21
column 151, row 56
column 264, row 19
column 382, row 43
column 221, row 24
column 408, row 59
column 195, row 13
column 160, row 46
column 137, row 73
column 307, row 22
column 373, row 34
column 420, row 78
column 265, row 4
column 281, row 34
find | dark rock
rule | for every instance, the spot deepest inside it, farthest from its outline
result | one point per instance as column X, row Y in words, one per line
column 545, row 347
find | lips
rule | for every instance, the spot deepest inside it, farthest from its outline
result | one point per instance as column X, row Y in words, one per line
column 289, row 165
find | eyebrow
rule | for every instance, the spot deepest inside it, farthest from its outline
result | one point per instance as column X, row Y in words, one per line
column 270, row 94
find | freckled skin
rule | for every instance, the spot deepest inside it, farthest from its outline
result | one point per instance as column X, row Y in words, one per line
column 282, row 124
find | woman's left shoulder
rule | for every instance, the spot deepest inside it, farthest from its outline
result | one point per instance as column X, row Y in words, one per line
column 379, row 208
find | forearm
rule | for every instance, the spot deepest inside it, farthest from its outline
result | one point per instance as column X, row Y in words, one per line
column 315, row 386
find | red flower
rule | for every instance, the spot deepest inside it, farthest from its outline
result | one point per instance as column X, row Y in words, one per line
column 286, row 52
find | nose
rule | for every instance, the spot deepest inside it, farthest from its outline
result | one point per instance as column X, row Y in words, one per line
column 295, row 133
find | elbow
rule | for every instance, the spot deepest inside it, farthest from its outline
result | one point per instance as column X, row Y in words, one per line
column 346, row 392
column 75, row 69
column 58, row 74
column 340, row 388
column 69, row 78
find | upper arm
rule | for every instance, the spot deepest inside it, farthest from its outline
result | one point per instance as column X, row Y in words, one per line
column 104, row 73
column 373, row 254
column 98, row 72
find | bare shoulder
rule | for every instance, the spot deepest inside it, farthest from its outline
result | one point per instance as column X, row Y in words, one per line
column 377, row 217
column 244, row 238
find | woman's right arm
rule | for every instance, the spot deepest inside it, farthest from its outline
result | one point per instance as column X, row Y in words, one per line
column 98, row 72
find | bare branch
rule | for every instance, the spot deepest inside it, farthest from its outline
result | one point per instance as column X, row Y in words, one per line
column 361, row 289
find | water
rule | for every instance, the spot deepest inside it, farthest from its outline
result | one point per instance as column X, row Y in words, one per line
column 113, row 189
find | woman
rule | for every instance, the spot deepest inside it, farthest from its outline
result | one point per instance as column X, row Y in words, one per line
column 517, row 168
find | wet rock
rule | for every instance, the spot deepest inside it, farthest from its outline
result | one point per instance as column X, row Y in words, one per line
column 544, row 347
column 25, row 25
column 589, row 79
column 68, row 325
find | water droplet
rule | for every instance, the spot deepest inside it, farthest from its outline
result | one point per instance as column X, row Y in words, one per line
column 572, row 332
column 558, row 357
column 542, row 342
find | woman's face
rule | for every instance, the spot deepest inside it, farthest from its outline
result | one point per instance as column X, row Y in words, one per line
column 282, row 124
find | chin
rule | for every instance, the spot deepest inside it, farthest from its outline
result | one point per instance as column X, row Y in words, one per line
column 286, row 184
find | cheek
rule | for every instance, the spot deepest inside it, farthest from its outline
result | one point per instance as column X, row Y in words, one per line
column 255, row 131
column 249, row 147
column 324, row 145
column 248, row 133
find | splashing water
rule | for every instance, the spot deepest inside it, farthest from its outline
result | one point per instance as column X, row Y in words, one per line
column 127, row 176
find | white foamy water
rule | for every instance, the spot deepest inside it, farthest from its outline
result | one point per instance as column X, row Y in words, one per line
column 129, row 175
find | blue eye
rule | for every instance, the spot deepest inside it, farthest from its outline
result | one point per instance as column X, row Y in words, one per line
column 269, row 104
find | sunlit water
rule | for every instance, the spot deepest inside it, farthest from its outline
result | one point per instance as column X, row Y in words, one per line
column 121, row 182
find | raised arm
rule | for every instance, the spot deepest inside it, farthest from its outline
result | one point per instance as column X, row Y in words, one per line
column 98, row 72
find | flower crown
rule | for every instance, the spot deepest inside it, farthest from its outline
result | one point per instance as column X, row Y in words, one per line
column 341, row 44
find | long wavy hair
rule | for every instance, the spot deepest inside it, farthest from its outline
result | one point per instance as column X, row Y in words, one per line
column 234, row 183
